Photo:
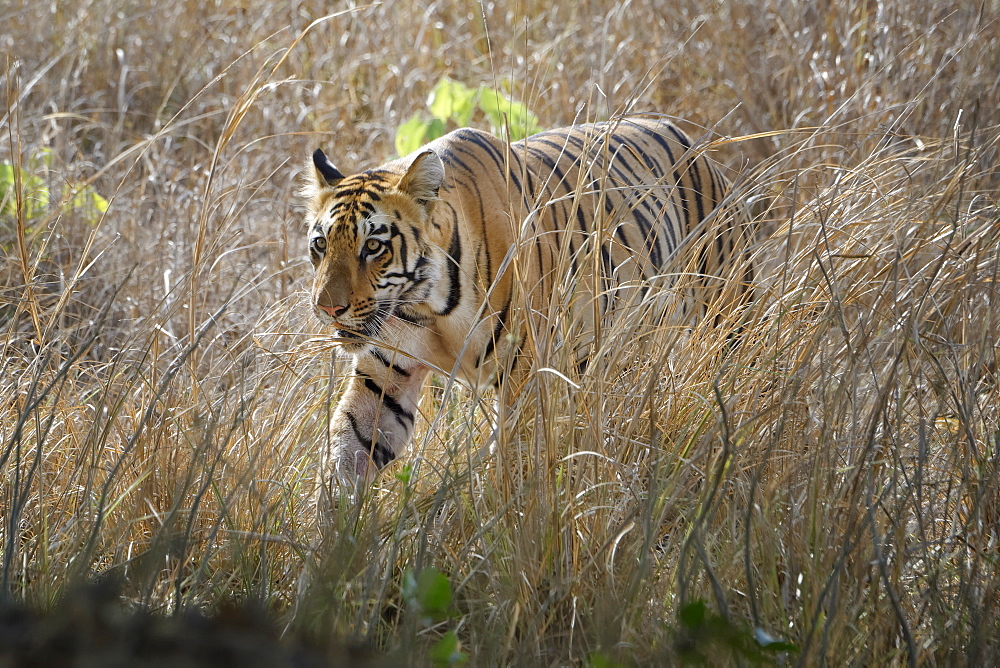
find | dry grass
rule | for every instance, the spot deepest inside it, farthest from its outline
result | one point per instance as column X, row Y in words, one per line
column 832, row 481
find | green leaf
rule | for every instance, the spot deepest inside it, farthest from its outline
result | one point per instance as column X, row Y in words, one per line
column 410, row 135
column 405, row 475
column 7, row 201
column 35, row 194
column 42, row 156
column 447, row 651
column 87, row 201
column 693, row 614
column 772, row 644
column 504, row 112
column 452, row 100
column 436, row 128
column 429, row 594
column 433, row 592
column 98, row 202
column 602, row 660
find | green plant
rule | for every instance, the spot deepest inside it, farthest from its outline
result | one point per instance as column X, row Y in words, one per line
column 453, row 104
column 704, row 635
column 429, row 596
column 35, row 195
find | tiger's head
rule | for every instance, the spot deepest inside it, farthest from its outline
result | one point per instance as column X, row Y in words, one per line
column 367, row 242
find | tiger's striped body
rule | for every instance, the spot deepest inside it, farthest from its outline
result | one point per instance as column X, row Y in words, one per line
column 416, row 260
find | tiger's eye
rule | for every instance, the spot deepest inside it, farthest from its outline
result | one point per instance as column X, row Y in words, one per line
column 373, row 245
column 319, row 244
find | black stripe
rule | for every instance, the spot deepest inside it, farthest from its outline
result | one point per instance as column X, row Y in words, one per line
column 542, row 270
column 681, row 138
column 494, row 153
column 611, row 169
column 380, row 453
column 472, row 185
column 632, row 184
column 389, row 365
column 390, row 403
column 606, row 282
column 665, row 145
column 410, row 318
column 699, row 197
column 716, row 187
column 362, row 439
column 519, row 167
column 451, row 160
column 477, row 139
column 455, row 287
column 347, row 193
column 402, row 248
column 669, row 224
column 622, row 168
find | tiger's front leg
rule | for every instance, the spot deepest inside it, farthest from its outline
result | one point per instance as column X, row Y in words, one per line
column 373, row 422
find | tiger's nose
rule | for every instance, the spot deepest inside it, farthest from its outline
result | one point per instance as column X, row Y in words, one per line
column 333, row 311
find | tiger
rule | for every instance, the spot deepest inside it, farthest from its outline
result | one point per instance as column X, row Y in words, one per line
column 413, row 260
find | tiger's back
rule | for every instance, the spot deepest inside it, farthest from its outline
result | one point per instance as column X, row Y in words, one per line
column 438, row 260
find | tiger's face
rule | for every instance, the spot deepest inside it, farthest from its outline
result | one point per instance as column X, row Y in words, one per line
column 366, row 246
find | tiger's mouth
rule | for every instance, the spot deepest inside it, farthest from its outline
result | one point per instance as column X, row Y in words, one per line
column 366, row 332
column 348, row 335
column 351, row 341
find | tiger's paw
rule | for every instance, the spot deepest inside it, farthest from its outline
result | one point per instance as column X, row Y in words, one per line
column 348, row 468
column 344, row 474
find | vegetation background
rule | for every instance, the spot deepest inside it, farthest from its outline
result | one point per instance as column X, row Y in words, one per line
column 826, row 492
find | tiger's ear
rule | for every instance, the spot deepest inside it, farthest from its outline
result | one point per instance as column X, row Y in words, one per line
column 326, row 173
column 424, row 176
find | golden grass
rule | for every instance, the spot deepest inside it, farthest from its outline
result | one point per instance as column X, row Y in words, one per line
column 832, row 480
